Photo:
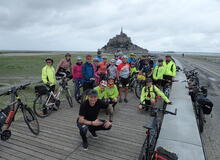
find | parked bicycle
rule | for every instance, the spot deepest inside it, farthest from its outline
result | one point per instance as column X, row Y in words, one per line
column 202, row 105
column 152, row 134
column 11, row 111
column 46, row 101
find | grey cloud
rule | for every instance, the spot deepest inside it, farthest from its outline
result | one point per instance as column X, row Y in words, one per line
column 88, row 24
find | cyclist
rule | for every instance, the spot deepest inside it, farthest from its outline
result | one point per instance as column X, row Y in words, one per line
column 101, row 90
column 133, row 69
column 102, row 70
column 112, row 70
column 112, row 92
column 88, row 117
column 65, row 65
column 142, row 62
column 95, row 67
column 102, row 94
column 88, row 74
column 148, row 95
column 146, row 70
column 170, row 69
column 117, row 59
column 123, row 78
column 158, row 73
column 150, row 61
column 132, row 58
column 99, row 57
column 77, row 74
column 48, row 74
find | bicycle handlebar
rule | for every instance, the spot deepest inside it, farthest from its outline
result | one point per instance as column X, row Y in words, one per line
column 13, row 89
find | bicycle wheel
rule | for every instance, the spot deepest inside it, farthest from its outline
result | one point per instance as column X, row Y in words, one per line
column 68, row 97
column 201, row 120
column 41, row 109
column 31, row 120
column 138, row 89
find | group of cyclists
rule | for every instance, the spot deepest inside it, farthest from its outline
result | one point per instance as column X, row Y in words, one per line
column 107, row 80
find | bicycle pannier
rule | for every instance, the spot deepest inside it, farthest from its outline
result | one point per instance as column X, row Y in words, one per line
column 162, row 154
column 41, row 90
column 206, row 104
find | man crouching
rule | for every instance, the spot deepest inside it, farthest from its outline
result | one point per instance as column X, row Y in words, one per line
column 88, row 114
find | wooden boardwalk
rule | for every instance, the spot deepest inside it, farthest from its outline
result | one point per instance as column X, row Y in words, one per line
column 59, row 137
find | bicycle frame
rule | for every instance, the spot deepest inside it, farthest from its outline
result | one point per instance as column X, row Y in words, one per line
column 15, row 106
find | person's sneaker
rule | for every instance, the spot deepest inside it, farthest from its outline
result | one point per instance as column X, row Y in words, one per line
column 125, row 100
column 94, row 135
column 85, row 145
column 120, row 100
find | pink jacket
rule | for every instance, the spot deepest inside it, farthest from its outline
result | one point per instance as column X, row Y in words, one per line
column 77, row 71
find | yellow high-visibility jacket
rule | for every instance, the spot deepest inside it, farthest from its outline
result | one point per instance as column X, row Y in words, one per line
column 158, row 72
column 170, row 68
column 101, row 94
column 48, row 75
column 148, row 93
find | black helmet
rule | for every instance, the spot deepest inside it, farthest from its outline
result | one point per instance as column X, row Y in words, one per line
column 67, row 54
column 160, row 60
column 168, row 55
column 48, row 59
column 92, row 92
column 148, row 80
column 99, row 52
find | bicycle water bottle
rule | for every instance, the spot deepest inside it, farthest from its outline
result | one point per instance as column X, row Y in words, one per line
column 10, row 116
column 3, row 117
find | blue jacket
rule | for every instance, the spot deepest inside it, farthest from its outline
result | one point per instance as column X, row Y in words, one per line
column 87, row 71
column 130, row 60
column 99, row 58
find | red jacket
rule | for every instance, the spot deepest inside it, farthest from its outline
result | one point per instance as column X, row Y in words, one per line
column 77, row 71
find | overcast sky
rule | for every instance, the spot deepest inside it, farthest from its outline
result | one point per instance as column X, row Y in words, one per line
column 179, row 25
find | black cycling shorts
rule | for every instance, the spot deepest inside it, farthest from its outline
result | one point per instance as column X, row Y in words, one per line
column 124, row 82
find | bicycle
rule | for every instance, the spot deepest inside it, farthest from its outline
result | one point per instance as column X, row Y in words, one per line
column 82, row 95
column 28, row 115
column 138, row 87
column 202, row 105
column 152, row 133
column 46, row 101
column 133, row 82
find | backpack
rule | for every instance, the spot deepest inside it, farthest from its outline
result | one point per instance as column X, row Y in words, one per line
column 163, row 154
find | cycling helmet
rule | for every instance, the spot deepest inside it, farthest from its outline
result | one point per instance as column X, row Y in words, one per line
column 112, row 60
column 104, row 57
column 88, row 57
column 67, row 54
column 48, row 59
column 124, row 57
column 103, row 83
column 132, row 63
column 79, row 58
column 95, row 59
column 132, row 54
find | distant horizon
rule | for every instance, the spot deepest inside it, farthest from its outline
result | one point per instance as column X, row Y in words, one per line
column 165, row 51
